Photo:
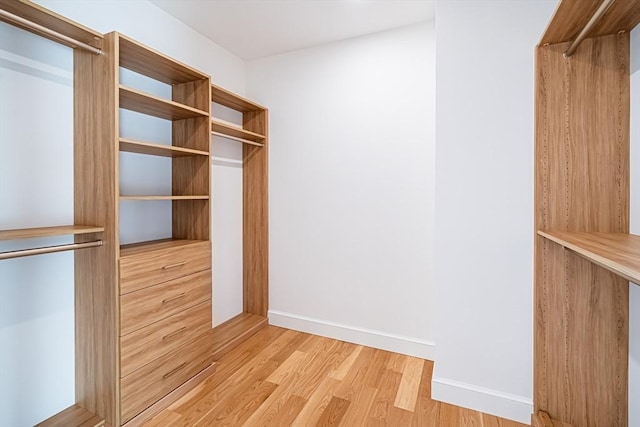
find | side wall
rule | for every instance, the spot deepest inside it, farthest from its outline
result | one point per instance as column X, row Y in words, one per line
column 484, row 203
column 352, row 187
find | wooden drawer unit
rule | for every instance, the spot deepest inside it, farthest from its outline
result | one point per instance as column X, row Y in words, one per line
column 141, row 268
column 146, row 306
column 153, row 381
column 146, row 344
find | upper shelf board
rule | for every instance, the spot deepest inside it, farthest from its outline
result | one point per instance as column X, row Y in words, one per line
column 144, row 103
column 571, row 16
column 141, row 147
column 226, row 129
column 151, row 63
column 229, row 99
column 61, row 230
column 44, row 17
column 616, row 252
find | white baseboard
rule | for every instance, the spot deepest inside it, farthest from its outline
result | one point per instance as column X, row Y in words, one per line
column 377, row 339
column 504, row 405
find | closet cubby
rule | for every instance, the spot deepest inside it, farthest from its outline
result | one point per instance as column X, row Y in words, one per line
column 584, row 253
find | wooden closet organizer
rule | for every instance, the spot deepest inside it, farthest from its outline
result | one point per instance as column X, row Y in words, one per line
column 143, row 333
column 584, row 254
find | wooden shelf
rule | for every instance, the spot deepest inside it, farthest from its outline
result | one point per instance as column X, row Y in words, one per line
column 73, row 416
column 134, row 100
column 46, row 18
column 61, row 230
column 229, row 99
column 152, row 245
column 616, row 252
column 164, row 197
column 227, row 130
column 234, row 331
column 141, row 147
column 542, row 419
column 151, row 63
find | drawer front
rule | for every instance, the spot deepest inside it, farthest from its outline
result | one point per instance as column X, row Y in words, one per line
column 146, row 306
column 152, row 267
column 151, row 342
column 152, row 382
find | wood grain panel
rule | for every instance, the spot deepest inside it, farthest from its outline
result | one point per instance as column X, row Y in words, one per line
column 616, row 252
column 61, row 230
column 141, row 308
column 149, row 62
column 160, row 263
column 144, row 345
column 231, row 333
column 582, row 185
column 141, row 147
column 74, row 416
column 96, row 202
column 135, row 100
column 225, row 129
column 571, row 16
column 255, row 213
column 222, row 96
column 150, row 383
column 37, row 14
column 193, row 93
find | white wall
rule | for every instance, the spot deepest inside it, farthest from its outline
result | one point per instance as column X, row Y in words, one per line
column 352, row 187
column 36, row 189
column 634, row 290
column 484, row 203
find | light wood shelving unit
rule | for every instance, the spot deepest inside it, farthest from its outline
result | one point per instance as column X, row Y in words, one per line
column 143, row 311
column 254, row 138
column 584, row 255
column 148, row 291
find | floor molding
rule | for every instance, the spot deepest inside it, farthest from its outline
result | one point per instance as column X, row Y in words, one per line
column 371, row 338
column 494, row 402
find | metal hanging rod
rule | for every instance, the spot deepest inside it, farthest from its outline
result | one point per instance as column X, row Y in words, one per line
column 44, row 30
column 49, row 249
column 606, row 4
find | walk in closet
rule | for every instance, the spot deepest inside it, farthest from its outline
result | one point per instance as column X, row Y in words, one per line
column 584, row 256
column 143, row 310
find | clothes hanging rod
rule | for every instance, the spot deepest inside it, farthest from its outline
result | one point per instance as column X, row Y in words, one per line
column 225, row 160
column 44, row 30
column 49, row 249
column 606, row 4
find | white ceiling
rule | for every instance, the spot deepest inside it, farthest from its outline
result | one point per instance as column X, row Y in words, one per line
column 257, row 28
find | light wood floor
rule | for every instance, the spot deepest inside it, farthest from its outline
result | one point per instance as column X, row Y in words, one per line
column 282, row 378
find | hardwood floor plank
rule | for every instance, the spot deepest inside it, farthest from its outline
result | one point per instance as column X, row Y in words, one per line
column 408, row 390
column 333, row 413
column 317, row 403
column 283, row 378
column 345, row 366
column 427, row 411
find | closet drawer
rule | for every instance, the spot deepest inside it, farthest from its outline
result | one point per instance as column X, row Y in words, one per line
column 147, row 268
column 152, row 382
column 146, row 344
column 141, row 308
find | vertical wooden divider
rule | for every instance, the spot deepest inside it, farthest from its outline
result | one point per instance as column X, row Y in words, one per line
column 582, row 184
column 96, row 202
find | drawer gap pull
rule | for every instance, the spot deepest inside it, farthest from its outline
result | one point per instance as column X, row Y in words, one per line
column 173, row 371
column 177, row 297
column 177, row 264
column 174, row 333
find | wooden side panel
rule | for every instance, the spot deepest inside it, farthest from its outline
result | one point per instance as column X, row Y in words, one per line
column 571, row 16
column 96, row 202
column 255, row 205
column 582, row 184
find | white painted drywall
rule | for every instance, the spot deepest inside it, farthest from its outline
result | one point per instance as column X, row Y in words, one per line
column 352, row 187
column 634, row 290
column 484, row 203
column 36, row 189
